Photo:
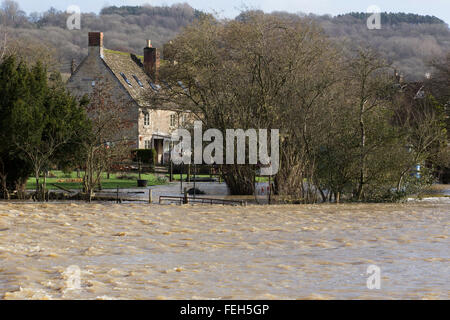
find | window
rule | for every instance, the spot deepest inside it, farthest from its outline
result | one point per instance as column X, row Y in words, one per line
column 138, row 81
column 183, row 119
column 173, row 120
column 167, row 84
column 155, row 87
column 146, row 119
column 126, row 79
column 148, row 144
column 93, row 83
column 181, row 84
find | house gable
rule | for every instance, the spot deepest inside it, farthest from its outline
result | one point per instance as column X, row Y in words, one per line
column 127, row 73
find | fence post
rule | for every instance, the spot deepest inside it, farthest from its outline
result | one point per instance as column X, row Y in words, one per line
column 150, row 196
column 270, row 190
column 186, row 199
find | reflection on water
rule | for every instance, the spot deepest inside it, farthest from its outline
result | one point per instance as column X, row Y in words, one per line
column 137, row 251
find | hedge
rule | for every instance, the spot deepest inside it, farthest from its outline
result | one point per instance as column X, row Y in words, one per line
column 146, row 156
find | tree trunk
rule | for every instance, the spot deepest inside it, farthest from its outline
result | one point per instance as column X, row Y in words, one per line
column 400, row 181
column 38, row 194
column 362, row 164
column 239, row 179
column 44, row 185
column 4, row 187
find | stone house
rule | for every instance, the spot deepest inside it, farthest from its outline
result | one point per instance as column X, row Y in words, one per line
column 132, row 78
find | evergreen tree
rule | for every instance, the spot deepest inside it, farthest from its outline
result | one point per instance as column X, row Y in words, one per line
column 40, row 126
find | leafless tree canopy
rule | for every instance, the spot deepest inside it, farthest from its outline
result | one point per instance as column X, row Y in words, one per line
column 335, row 107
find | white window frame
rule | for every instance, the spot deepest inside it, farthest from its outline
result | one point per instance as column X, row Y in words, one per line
column 147, row 119
column 147, row 144
column 184, row 119
column 173, row 120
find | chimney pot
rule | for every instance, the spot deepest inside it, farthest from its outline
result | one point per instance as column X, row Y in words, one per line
column 149, row 43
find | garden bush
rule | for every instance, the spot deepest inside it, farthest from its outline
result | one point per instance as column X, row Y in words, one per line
column 146, row 156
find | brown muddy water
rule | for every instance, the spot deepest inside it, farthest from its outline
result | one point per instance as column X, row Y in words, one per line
column 137, row 251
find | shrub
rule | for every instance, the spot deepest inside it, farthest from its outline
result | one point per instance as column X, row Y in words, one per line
column 161, row 180
column 126, row 177
column 146, row 156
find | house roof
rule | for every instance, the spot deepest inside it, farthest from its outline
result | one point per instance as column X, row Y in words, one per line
column 128, row 69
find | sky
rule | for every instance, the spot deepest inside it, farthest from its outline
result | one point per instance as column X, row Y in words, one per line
column 230, row 8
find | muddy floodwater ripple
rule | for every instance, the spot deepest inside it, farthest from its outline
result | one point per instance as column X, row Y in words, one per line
column 138, row 251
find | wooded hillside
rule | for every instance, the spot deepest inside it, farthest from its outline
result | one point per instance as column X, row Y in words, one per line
column 407, row 40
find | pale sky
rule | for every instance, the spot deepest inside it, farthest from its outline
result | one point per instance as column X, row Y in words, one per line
column 230, row 8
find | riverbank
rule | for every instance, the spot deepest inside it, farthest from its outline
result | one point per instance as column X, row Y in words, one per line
column 130, row 193
column 137, row 251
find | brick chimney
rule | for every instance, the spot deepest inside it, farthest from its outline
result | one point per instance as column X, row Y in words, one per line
column 151, row 61
column 96, row 43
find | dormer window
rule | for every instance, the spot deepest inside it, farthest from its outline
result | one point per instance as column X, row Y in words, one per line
column 167, row 84
column 138, row 81
column 181, row 84
column 126, row 79
column 155, row 87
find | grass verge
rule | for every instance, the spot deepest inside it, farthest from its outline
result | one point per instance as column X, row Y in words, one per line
column 70, row 181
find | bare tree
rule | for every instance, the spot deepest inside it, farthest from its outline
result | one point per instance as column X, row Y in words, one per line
column 40, row 155
column 107, row 141
column 257, row 73
column 368, row 74
column 3, row 43
column 9, row 12
column 423, row 122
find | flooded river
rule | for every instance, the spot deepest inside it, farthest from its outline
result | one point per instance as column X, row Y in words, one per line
column 138, row 251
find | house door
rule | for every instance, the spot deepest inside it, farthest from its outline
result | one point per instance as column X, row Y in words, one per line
column 159, row 147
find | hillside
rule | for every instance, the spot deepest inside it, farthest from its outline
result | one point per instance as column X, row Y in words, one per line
column 406, row 40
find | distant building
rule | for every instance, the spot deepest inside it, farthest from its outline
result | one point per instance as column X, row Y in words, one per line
column 132, row 78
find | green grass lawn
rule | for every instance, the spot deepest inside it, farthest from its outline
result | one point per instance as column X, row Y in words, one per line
column 111, row 183
column 177, row 177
